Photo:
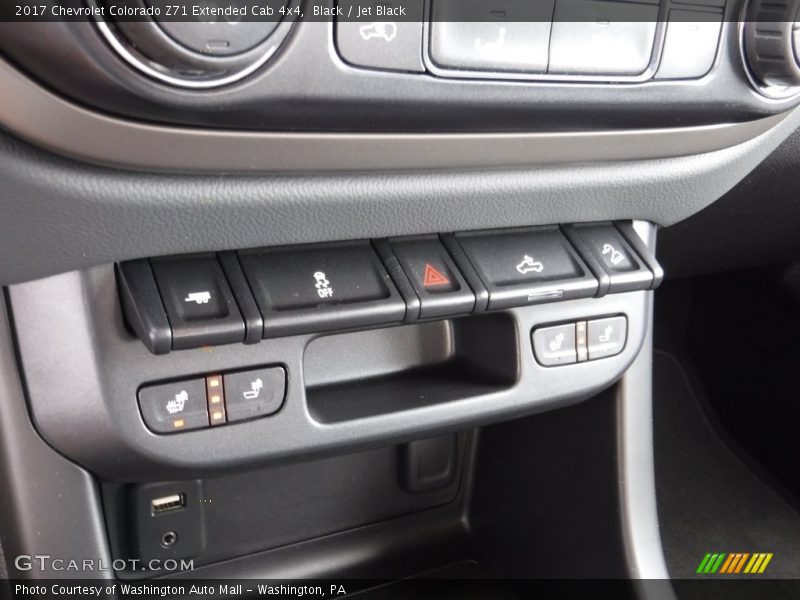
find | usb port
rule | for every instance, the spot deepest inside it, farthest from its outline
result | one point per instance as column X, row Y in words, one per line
column 165, row 504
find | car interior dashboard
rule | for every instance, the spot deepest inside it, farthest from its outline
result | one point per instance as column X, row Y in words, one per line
column 355, row 291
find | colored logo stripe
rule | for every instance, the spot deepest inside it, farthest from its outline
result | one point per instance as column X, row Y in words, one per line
column 711, row 563
column 734, row 563
column 758, row 563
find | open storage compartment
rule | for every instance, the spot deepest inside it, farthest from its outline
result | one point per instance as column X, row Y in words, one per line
column 364, row 374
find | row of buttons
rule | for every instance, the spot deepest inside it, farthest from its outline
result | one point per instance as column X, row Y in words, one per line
column 559, row 37
column 212, row 400
column 581, row 341
column 191, row 301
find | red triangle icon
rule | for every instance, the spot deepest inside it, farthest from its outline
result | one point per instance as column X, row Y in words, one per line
column 433, row 277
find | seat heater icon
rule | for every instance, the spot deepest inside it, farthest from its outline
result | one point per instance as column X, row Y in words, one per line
column 556, row 342
column 255, row 389
column 176, row 405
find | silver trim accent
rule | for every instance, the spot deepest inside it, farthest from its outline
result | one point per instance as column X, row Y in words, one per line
column 637, row 489
column 47, row 120
column 141, row 63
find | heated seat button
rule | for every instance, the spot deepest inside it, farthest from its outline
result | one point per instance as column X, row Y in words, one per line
column 606, row 337
column 306, row 289
column 436, row 280
column 199, row 304
column 555, row 345
column 174, row 407
column 527, row 266
column 254, row 393
column 618, row 266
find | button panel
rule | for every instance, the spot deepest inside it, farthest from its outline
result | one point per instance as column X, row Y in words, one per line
column 560, row 40
column 249, row 295
column 213, row 400
column 580, row 341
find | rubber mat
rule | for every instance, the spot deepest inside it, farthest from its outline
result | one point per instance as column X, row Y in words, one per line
column 710, row 500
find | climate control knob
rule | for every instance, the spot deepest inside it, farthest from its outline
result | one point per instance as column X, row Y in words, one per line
column 202, row 51
column 771, row 45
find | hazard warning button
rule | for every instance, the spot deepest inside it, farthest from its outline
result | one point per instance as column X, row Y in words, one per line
column 441, row 288
column 434, row 280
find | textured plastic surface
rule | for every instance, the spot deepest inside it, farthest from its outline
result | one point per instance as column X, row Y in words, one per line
column 243, row 513
column 428, row 465
column 136, row 215
column 335, row 95
column 144, row 310
column 51, row 506
column 417, row 543
column 80, row 316
column 253, row 323
column 502, row 500
column 354, row 378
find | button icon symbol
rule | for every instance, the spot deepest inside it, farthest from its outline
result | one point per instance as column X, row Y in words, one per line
column 606, row 335
column 323, row 285
column 528, row 265
column 176, row 405
column 386, row 31
column 198, row 297
column 556, row 343
column 614, row 255
column 433, row 277
column 490, row 47
column 255, row 389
